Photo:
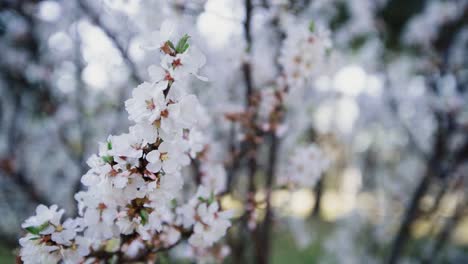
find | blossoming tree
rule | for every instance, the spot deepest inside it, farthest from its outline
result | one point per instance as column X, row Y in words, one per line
column 239, row 116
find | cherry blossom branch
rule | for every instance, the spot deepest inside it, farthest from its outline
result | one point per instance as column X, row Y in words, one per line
column 150, row 249
column 246, row 67
column 251, row 140
column 234, row 161
column 133, row 183
column 275, row 120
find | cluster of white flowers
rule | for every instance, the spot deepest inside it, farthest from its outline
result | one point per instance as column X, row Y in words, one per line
column 49, row 240
column 203, row 214
column 215, row 254
column 213, row 176
column 136, row 176
column 269, row 111
column 303, row 54
column 305, row 166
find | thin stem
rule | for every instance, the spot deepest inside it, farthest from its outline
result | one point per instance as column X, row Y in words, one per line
column 246, row 67
column 251, row 144
column 318, row 197
column 264, row 257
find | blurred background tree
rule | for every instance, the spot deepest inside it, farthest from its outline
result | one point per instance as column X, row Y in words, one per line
column 392, row 112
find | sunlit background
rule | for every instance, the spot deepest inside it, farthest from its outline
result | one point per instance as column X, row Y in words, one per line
column 397, row 74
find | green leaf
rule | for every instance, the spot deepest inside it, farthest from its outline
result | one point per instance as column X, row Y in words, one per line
column 35, row 230
column 209, row 200
column 212, row 198
column 109, row 145
column 108, row 159
column 312, row 26
column 163, row 259
column 186, row 46
column 144, row 216
column 182, row 45
column 170, row 44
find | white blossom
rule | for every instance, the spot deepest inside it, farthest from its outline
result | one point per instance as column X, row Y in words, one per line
column 136, row 176
column 305, row 167
column 303, row 54
column 147, row 102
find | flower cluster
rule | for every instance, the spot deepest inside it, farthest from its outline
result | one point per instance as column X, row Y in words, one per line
column 271, row 110
column 202, row 213
column 49, row 240
column 303, row 54
column 305, row 166
column 135, row 179
column 214, row 177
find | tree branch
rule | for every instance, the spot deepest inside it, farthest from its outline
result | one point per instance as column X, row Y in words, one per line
column 94, row 17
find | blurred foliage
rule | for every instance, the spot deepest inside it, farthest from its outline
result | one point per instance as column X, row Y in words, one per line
column 6, row 255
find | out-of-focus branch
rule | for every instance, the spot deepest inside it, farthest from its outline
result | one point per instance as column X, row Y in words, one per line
column 94, row 17
column 444, row 235
column 448, row 31
column 19, row 85
column 148, row 250
column 80, row 107
column 246, row 67
column 264, row 257
column 247, row 74
column 436, row 167
column 412, row 210
column 10, row 166
column 318, row 198
column 250, row 142
column 251, row 146
column 434, row 170
column 276, row 119
column 234, row 159
column 393, row 105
